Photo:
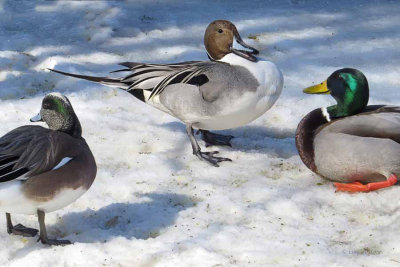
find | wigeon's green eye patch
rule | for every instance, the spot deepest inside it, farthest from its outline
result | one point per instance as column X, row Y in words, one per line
column 54, row 104
column 59, row 106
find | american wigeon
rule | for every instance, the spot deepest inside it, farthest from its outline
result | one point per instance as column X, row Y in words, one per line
column 43, row 170
column 351, row 142
column 231, row 90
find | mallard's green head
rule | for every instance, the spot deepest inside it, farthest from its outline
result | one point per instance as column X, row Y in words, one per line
column 350, row 89
column 59, row 115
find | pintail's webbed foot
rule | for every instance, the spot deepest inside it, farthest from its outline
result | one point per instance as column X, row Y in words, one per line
column 19, row 229
column 206, row 156
column 213, row 139
column 210, row 158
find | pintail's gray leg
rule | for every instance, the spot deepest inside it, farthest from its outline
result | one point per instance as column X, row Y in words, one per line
column 19, row 229
column 207, row 156
column 43, row 233
column 213, row 139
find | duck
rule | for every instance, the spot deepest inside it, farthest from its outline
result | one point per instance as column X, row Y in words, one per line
column 354, row 144
column 230, row 90
column 44, row 169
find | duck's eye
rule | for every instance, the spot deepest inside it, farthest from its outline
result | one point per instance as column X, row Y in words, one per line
column 220, row 31
column 46, row 105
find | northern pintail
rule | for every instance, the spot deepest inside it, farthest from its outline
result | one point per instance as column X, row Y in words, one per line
column 232, row 89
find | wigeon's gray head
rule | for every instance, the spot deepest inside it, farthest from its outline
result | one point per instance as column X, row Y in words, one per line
column 58, row 114
column 218, row 40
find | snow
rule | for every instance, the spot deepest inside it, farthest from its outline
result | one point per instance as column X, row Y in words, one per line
column 155, row 204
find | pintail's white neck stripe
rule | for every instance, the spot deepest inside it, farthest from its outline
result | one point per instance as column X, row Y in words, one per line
column 326, row 114
column 62, row 163
column 210, row 55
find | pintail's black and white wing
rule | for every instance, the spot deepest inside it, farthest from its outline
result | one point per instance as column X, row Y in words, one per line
column 154, row 77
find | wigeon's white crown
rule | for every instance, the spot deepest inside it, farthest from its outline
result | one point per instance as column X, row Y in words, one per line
column 58, row 95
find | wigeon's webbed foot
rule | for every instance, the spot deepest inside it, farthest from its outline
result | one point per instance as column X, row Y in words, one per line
column 19, row 229
column 43, row 233
column 54, row 242
column 359, row 187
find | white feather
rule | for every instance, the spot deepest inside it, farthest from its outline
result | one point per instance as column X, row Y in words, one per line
column 62, row 163
column 326, row 114
column 13, row 199
column 250, row 105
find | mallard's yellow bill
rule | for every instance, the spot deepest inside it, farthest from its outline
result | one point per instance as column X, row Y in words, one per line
column 321, row 88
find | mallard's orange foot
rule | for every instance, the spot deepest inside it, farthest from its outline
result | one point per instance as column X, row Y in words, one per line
column 359, row 187
column 351, row 187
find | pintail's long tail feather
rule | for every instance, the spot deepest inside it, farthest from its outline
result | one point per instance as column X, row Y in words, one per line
column 114, row 82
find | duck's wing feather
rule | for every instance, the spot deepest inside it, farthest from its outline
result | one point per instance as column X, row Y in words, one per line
column 376, row 122
column 30, row 150
column 212, row 78
column 154, row 77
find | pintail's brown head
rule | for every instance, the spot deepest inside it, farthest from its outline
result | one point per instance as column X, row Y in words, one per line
column 218, row 40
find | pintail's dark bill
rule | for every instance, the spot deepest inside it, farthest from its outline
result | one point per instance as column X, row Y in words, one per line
column 242, row 53
column 242, row 43
column 36, row 118
column 245, row 54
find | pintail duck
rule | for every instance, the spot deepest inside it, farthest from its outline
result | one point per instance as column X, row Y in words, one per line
column 43, row 170
column 351, row 143
column 232, row 89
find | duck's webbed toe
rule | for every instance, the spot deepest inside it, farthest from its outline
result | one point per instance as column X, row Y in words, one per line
column 54, row 242
column 213, row 139
column 359, row 187
column 19, row 229
column 210, row 158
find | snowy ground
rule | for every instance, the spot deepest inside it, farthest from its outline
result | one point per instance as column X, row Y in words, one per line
column 155, row 204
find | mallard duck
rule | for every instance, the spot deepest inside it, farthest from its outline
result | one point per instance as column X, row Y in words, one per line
column 43, row 170
column 355, row 145
column 231, row 90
